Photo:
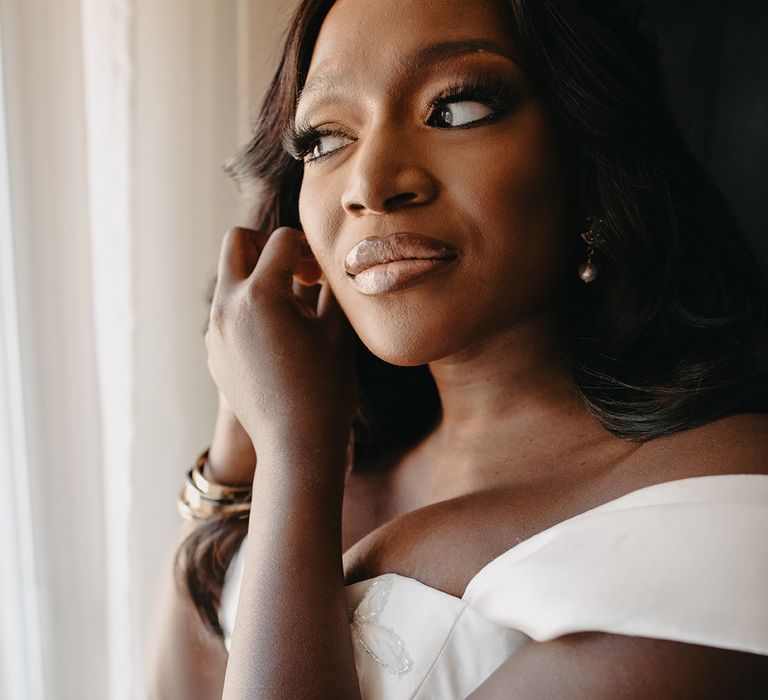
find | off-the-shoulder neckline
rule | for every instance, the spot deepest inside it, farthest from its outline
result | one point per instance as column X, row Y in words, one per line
column 630, row 499
column 625, row 499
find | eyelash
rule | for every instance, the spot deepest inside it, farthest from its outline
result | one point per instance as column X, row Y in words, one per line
column 300, row 140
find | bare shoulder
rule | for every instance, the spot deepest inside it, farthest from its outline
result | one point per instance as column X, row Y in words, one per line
column 598, row 666
column 736, row 444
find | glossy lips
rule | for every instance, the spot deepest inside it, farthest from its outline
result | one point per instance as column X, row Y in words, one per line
column 379, row 265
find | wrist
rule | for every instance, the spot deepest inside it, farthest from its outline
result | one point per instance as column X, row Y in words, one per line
column 227, row 475
column 231, row 456
column 301, row 459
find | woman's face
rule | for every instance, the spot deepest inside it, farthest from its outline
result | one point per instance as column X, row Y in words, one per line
column 416, row 120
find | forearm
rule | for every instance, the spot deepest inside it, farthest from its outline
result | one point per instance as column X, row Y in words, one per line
column 292, row 636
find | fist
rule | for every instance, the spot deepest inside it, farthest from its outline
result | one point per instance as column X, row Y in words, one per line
column 284, row 362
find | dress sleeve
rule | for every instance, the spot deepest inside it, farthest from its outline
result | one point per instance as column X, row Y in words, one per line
column 684, row 561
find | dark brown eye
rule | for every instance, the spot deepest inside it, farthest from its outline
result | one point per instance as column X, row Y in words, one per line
column 460, row 113
column 327, row 144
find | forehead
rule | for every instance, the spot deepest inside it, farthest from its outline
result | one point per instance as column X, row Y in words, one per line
column 376, row 37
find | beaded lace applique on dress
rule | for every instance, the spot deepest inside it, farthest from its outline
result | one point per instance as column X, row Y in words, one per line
column 380, row 641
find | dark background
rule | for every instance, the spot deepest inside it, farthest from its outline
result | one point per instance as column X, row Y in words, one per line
column 714, row 55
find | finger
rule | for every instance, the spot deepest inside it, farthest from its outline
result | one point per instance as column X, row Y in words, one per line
column 328, row 307
column 308, row 272
column 239, row 254
column 279, row 259
column 307, row 294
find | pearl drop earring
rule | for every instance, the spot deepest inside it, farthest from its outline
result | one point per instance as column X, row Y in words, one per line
column 588, row 271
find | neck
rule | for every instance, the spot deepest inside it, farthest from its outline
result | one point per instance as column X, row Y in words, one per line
column 509, row 397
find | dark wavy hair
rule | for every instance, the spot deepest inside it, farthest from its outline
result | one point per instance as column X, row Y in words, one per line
column 671, row 334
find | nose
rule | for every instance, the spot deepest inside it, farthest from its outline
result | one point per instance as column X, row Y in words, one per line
column 386, row 175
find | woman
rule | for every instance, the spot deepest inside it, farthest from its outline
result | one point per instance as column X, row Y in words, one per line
column 558, row 472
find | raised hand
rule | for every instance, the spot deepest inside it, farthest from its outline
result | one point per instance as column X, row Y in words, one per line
column 285, row 365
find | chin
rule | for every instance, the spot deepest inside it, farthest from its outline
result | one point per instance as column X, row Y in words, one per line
column 401, row 344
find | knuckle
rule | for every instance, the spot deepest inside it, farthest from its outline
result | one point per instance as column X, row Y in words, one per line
column 218, row 314
column 255, row 290
column 228, row 239
column 286, row 232
column 233, row 240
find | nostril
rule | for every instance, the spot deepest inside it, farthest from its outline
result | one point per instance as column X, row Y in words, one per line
column 399, row 200
column 389, row 204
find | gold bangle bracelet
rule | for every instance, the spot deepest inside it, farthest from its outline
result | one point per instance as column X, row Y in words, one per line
column 213, row 489
column 207, row 509
column 200, row 498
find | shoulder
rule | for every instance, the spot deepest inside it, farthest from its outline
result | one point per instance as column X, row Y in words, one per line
column 599, row 666
column 736, row 444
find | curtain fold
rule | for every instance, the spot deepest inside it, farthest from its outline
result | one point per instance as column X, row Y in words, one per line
column 108, row 100
column 21, row 661
column 58, row 407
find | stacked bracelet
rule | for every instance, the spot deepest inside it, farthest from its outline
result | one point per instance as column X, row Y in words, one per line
column 201, row 498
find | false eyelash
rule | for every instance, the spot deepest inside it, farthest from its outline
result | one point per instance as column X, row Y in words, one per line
column 488, row 89
column 299, row 139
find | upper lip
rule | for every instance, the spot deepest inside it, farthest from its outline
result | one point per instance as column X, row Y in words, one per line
column 397, row 246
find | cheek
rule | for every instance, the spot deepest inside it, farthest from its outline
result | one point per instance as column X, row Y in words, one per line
column 321, row 218
column 505, row 199
column 522, row 178
column 520, row 203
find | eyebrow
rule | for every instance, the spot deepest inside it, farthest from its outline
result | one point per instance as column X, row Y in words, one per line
column 413, row 63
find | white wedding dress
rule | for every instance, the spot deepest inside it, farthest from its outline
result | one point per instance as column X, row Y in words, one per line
column 684, row 560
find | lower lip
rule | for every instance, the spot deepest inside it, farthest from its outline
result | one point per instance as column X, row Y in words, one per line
column 397, row 275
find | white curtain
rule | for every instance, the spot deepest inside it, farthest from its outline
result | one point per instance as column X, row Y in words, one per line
column 115, row 117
